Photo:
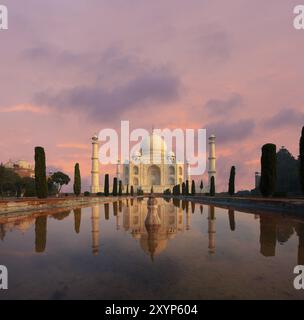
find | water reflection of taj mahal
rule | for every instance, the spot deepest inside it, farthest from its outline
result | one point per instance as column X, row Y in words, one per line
column 154, row 225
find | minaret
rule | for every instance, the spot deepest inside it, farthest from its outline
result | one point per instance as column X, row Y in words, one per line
column 95, row 230
column 118, row 171
column 212, row 159
column 95, row 166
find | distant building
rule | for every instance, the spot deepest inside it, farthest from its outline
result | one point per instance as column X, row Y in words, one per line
column 257, row 180
column 21, row 167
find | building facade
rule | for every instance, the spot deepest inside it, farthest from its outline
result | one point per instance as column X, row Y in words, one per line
column 21, row 167
column 152, row 165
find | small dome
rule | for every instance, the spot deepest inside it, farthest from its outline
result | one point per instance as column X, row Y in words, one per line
column 136, row 155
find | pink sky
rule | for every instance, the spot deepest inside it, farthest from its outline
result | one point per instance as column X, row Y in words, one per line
column 70, row 68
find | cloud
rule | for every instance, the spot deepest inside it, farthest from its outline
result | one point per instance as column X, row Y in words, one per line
column 233, row 131
column 285, row 117
column 222, row 107
column 215, row 44
column 24, row 108
column 155, row 87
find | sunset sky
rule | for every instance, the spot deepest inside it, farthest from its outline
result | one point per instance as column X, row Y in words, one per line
column 69, row 68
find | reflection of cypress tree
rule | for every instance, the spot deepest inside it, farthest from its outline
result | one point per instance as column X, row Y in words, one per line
column 231, row 219
column 40, row 233
column 183, row 204
column 268, row 235
column 131, row 202
column 167, row 199
column 212, row 213
column 120, row 206
column 77, row 219
column 192, row 207
column 2, row 232
column 176, row 202
column 106, row 211
column 61, row 215
column 284, row 231
column 115, row 208
column 127, row 203
column 300, row 232
column 201, row 209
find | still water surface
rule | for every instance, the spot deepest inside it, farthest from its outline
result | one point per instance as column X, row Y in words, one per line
column 135, row 250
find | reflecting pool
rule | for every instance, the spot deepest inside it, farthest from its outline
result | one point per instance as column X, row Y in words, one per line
column 151, row 249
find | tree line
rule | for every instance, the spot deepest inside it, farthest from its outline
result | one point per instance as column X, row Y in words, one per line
column 41, row 186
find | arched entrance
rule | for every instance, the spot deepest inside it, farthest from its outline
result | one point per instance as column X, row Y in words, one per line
column 154, row 176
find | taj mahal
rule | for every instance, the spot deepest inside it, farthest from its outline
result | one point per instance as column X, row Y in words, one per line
column 152, row 165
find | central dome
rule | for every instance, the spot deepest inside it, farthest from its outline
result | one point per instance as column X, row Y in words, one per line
column 153, row 142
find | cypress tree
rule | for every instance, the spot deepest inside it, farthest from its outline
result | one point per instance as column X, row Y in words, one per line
column 193, row 188
column 301, row 160
column 106, row 186
column 77, row 180
column 187, row 187
column 114, row 192
column 127, row 191
column 231, row 186
column 40, row 173
column 268, row 170
column 183, row 188
column 212, row 187
column 120, row 188
column 132, row 191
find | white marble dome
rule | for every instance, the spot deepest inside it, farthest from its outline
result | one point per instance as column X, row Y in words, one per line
column 159, row 145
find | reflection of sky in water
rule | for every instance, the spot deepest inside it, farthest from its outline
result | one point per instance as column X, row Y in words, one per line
column 124, row 250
